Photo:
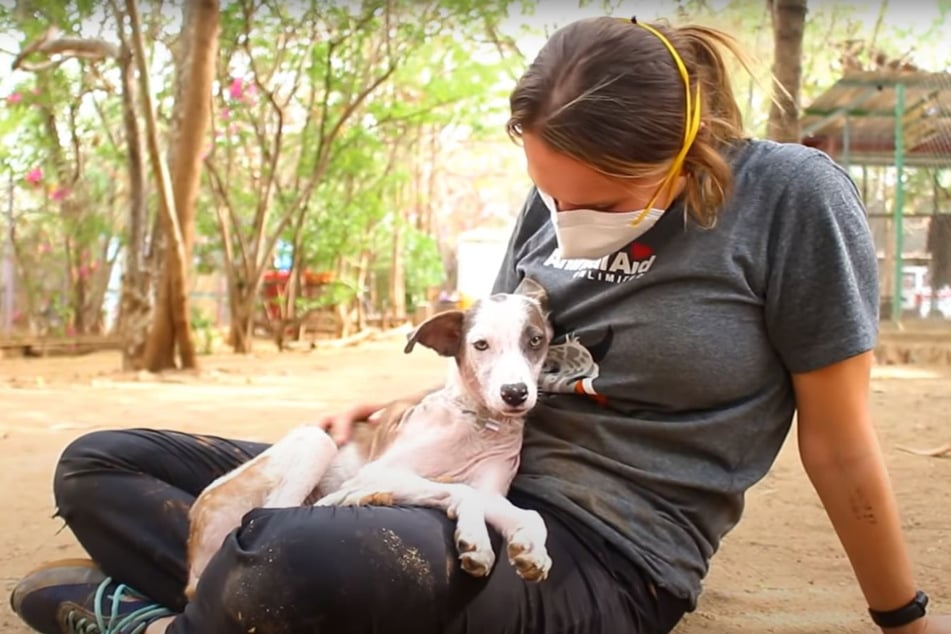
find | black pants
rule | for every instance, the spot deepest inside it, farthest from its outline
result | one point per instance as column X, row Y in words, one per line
column 387, row 570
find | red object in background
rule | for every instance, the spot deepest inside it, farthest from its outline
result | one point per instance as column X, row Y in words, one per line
column 274, row 287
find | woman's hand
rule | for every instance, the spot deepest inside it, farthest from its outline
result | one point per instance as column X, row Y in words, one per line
column 340, row 425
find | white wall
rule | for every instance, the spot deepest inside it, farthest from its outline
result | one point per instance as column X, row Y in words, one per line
column 479, row 254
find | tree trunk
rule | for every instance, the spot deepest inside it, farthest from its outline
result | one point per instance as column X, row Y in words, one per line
column 86, row 314
column 939, row 246
column 68, row 174
column 887, row 266
column 397, row 274
column 788, row 18
column 363, row 299
column 170, row 326
column 135, row 305
column 296, row 283
column 8, row 281
column 242, row 320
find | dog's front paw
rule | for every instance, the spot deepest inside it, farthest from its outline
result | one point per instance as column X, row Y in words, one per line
column 526, row 551
column 475, row 551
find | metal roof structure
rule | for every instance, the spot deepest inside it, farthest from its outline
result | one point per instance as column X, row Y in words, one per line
column 895, row 116
column 856, row 119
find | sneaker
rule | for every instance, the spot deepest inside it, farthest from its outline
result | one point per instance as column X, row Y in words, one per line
column 74, row 597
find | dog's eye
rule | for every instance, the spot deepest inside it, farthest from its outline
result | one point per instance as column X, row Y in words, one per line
column 535, row 341
column 480, row 345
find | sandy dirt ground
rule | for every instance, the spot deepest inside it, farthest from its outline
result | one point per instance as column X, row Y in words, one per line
column 781, row 571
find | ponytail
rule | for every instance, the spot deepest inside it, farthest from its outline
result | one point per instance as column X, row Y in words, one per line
column 708, row 174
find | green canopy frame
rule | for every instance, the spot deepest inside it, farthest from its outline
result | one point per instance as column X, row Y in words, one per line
column 890, row 116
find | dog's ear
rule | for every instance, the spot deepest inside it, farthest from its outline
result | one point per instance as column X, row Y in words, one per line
column 529, row 287
column 442, row 332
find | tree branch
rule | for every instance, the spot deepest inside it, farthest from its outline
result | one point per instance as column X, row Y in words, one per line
column 272, row 156
column 221, row 192
column 160, row 166
column 51, row 45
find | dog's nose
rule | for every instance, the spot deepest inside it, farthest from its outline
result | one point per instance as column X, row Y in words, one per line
column 514, row 393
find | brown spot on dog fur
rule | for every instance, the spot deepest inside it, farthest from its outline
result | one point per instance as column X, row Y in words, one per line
column 377, row 499
column 212, row 501
column 376, row 438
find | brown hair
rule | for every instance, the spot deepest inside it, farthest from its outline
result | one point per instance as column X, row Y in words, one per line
column 608, row 93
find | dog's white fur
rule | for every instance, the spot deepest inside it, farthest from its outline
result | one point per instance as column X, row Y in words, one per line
column 457, row 449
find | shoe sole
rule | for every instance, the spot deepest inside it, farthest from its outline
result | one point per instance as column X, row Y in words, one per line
column 43, row 577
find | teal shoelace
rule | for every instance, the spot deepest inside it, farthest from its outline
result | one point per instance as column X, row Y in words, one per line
column 134, row 622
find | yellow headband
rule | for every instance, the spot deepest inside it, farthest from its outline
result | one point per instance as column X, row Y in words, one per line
column 692, row 119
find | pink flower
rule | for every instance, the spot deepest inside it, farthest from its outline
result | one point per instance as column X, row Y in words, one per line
column 14, row 98
column 60, row 193
column 241, row 90
column 225, row 113
column 34, row 176
column 237, row 88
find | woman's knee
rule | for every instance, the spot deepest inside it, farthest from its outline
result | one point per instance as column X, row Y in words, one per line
column 325, row 564
column 336, row 547
column 89, row 454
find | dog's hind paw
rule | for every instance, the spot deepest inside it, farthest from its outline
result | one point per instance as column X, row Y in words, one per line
column 528, row 555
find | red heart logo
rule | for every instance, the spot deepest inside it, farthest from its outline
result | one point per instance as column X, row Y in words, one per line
column 641, row 251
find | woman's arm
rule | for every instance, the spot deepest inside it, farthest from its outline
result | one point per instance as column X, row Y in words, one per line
column 842, row 457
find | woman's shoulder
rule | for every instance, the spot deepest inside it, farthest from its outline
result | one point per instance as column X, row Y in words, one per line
column 780, row 166
column 789, row 182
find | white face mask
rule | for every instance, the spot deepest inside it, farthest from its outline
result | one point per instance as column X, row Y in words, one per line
column 590, row 234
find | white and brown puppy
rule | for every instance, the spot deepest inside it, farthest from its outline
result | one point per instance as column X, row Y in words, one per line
column 456, row 449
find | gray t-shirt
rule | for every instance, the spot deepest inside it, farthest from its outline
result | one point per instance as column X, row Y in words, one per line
column 667, row 389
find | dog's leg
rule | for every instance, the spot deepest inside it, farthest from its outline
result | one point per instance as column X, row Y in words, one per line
column 525, row 535
column 283, row 475
column 382, row 486
column 473, row 545
column 523, row 530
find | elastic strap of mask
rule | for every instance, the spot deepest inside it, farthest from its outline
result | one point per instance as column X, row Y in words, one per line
column 692, row 119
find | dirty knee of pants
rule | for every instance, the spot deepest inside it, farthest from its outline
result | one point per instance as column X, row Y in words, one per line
column 288, row 570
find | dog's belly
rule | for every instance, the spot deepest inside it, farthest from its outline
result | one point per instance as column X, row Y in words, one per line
column 456, row 453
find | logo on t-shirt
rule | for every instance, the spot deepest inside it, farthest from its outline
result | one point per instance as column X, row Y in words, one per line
column 629, row 263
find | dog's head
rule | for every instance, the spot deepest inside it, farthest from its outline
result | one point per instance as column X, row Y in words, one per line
column 499, row 345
